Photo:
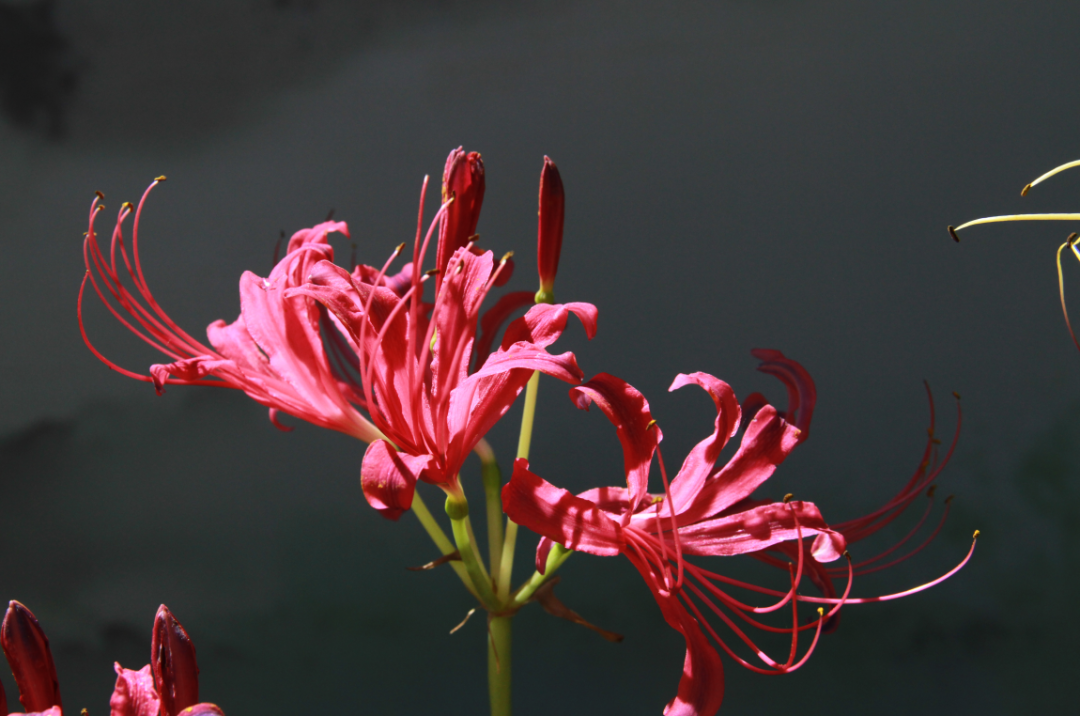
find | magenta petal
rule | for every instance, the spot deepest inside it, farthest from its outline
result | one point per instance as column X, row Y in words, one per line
column 544, row 323
column 388, row 478
column 628, row 411
column 768, row 440
column 701, row 460
column 551, row 512
column 134, row 694
column 761, row 527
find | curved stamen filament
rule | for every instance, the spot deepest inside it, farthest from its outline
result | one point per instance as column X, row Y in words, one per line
column 671, row 512
column 901, row 543
column 1047, row 175
column 915, row 551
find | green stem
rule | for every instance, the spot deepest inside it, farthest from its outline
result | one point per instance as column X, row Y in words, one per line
column 440, row 539
column 506, row 566
column 458, row 510
column 493, row 497
column 556, row 557
column 499, row 665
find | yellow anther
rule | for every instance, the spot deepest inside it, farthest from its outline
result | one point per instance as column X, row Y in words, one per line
column 1025, row 190
column 431, row 272
column 657, row 499
column 506, row 257
column 787, row 497
column 127, row 205
column 100, row 195
column 160, row 178
column 975, row 536
column 847, row 555
column 651, row 424
column 821, row 611
column 399, row 249
column 1071, row 238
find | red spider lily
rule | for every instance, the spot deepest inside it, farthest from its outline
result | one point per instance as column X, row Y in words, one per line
column 375, row 346
column 705, row 510
column 413, row 367
column 273, row 351
column 168, row 686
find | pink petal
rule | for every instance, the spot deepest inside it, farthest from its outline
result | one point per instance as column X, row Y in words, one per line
column 316, row 237
column 544, row 323
column 463, row 179
column 134, row 694
column 701, row 460
column 389, row 477
column 628, row 411
column 760, row 528
column 552, row 512
column 768, row 440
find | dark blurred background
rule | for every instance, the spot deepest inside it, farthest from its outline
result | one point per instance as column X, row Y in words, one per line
column 739, row 174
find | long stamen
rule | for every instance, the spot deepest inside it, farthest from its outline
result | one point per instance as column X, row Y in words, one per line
column 912, row 533
column 671, row 512
column 912, row 553
column 1047, row 175
column 362, row 353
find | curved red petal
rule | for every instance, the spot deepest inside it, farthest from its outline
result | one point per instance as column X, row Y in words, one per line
column 545, row 322
column 628, row 411
column 389, row 477
column 559, row 515
column 767, row 442
column 701, row 460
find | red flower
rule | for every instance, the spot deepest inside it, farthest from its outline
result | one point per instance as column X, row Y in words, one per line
column 705, row 510
column 412, row 368
column 168, row 686
column 323, row 344
column 273, row 351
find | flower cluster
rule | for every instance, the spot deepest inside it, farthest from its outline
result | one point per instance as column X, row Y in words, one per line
column 422, row 377
column 167, row 686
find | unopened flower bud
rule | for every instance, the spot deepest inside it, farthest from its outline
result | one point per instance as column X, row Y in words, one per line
column 172, row 660
column 463, row 187
column 550, row 231
column 27, row 650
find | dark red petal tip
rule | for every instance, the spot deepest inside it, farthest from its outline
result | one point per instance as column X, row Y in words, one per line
column 172, row 659
column 27, row 650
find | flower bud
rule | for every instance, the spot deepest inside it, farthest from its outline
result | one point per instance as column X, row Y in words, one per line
column 463, row 181
column 27, row 650
column 172, row 659
column 550, row 231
